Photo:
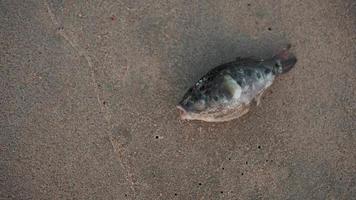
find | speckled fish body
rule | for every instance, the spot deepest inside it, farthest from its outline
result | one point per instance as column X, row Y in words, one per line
column 227, row 91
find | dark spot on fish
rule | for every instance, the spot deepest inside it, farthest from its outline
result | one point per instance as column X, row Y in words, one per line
column 209, row 78
column 269, row 28
column 258, row 75
column 239, row 82
column 259, row 147
column 246, row 162
column 223, row 168
column 248, row 4
column 199, row 183
column 157, row 136
column 221, row 192
column 248, row 72
column 242, row 174
column 104, row 102
column 267, row 71
column 125, row 195
column 229, row 158
column 203, row 87
column 175, row 194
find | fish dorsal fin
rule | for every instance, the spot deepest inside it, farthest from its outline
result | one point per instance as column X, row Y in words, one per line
column 232, row 87
column 246, row 60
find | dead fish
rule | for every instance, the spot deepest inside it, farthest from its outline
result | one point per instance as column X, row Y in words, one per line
column 227, row 91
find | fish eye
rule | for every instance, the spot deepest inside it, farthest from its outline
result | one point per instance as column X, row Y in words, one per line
column 188, row 104
column 200, row 104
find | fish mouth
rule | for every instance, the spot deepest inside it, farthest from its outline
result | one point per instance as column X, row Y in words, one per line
column 182, row 112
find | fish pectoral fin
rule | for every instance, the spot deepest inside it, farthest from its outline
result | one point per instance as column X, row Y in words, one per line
column 232, row 87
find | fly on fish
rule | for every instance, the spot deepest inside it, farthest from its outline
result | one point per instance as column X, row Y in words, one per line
column 227, row 91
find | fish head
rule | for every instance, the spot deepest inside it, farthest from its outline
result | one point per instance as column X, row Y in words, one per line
column 193, row 104
column 205, row 100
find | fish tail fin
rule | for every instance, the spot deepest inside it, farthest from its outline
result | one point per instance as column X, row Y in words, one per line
column 286, row 59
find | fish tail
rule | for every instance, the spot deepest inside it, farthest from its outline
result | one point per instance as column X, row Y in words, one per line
column 286, row 59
